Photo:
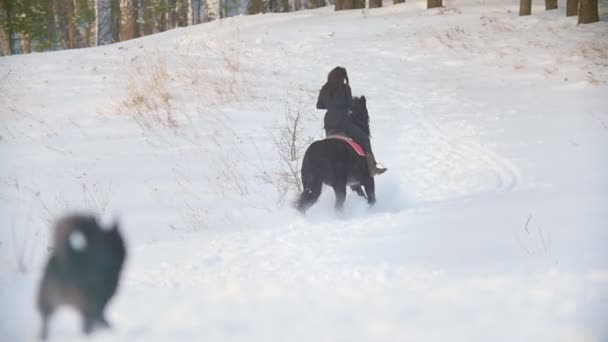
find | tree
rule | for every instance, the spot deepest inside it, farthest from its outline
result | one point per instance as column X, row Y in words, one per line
column 317, row 3
column 24, row 25
column 525, row 7
column 572, row 8
column 213, row 7
column 349, row 4
column 6, row 34
column 115, row 22
column 194, row 12
column 588, row 12
column 433, row 3
column 182, row 13
column 255, row 6
column 172, row 13
column 375, row 3
column 550, row 4
column 84, row 19
column 103, row 22
column 128, row 19
column 71, row 24
column 398, row 2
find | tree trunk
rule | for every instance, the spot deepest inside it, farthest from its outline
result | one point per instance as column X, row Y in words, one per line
column 51, row 34
column 194, row 12
column 60, row 24
column 338, row 5
column 255, row 6
column 374, row 3
column 127, row 22
column 572, row 8
column 345, row 5
column 182, row 11
column 588, row 12
column 162, row 21
column 148, row 17
column 103, row 22
column 550, row 4
column 137, row 4
column 26, row 45
column 171, row 14
column 115, row 20
column 433, row 3
column 5, row 32
column 89, row 32
column 71, row 24
column 317, row 3
column 525, row 7
column 212, row 7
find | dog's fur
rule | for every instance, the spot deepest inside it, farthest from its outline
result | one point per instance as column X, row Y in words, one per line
column 83, row 277
column 335, row 163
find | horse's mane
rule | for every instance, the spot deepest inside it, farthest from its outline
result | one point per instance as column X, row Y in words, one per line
column 359, row 116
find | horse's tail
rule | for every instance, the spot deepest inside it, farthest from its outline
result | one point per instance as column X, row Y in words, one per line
column 312, row 180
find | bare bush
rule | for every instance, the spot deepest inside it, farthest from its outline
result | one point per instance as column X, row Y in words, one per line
column 291, row 143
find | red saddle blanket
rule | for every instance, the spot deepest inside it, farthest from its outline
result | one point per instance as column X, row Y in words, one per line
column 356, row 147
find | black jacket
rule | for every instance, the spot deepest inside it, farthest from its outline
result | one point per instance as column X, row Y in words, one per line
column 338, row 107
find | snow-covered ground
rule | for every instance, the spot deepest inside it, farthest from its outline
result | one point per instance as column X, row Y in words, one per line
column 490, row 224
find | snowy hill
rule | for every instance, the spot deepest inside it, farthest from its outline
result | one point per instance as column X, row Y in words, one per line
column 490, row 223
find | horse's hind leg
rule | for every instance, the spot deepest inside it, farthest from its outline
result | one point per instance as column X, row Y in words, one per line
column 309, row 196
column 370, row 190
column 340, row 190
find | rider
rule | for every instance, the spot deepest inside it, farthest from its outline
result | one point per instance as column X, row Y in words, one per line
column 336, row 97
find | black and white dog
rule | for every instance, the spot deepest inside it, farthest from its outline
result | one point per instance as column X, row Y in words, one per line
column 83, row 270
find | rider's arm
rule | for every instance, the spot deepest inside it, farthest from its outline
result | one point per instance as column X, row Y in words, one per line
column 320, row 101
column 349, row 98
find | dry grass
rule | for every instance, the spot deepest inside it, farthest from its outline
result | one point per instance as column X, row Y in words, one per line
column 454, row 38
column 95, row 197
column 214, row 70
column 172, row 92
column 493, row 24
column 447, row 10
column 148, row 99
column 11, row 93
column 595, row 54
column 595, row 50
column 22, row 241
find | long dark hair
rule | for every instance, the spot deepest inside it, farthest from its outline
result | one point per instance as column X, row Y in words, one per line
column 336, row 79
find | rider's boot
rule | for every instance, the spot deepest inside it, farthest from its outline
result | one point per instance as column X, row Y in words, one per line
column 374, row 170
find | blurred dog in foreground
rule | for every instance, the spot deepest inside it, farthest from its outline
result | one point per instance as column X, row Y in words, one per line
column 82, row 272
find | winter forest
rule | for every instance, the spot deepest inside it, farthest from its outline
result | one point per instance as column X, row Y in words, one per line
column 44, row 25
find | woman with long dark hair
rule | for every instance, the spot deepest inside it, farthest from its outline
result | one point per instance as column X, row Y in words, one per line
column 336, row 97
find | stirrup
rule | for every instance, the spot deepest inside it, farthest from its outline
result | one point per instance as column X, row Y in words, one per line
column 379, row 169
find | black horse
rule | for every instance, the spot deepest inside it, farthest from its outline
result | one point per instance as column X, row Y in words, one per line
column 335, row 163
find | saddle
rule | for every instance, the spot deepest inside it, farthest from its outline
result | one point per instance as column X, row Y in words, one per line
column 355, row 146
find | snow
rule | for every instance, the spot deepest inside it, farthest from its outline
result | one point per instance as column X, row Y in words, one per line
column 489, row 226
